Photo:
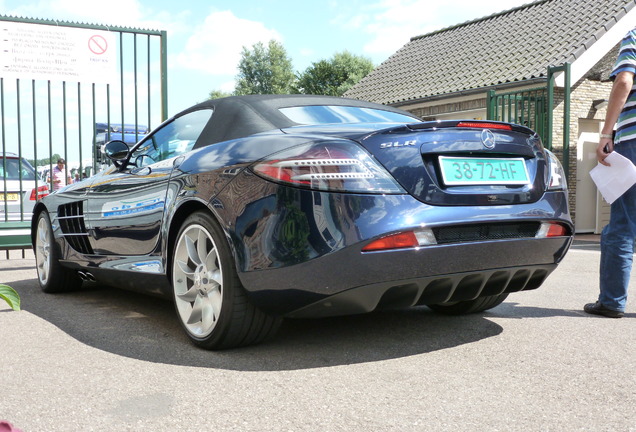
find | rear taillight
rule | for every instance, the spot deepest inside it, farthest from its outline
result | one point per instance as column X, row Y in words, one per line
column 39, row 193
column 404, row 240
column 329, row 166
column 395, row 241
column 552, row 229
column 484, row 125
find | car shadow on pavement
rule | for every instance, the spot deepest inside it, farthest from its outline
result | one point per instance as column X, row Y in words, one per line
column 146, row 328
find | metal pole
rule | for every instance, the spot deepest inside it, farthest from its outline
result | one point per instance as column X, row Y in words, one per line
column 79, row 131
column 19, row 120
column 94, row 147
column 566, row 120
column 148, row 125
column 136, row 88
column 4, row 151
column 50, row 137
column 35, row 143
column 164, row 75
column 550, row 83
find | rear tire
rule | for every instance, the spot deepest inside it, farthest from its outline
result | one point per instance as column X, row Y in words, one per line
column 212, row 305
column 470, row 306
column 52, row 276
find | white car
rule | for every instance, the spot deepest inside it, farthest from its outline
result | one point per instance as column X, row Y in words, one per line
column 19, row 188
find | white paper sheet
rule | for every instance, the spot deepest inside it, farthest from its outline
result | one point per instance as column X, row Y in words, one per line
column 613, row 181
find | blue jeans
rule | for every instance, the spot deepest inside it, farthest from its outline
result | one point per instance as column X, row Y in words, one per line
column 617, row 243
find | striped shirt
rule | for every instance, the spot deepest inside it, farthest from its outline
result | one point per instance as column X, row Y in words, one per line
column 626, row 62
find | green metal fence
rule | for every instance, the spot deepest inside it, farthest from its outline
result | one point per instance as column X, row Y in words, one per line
column 527, row 107
column 535, row 108
column 41, row 118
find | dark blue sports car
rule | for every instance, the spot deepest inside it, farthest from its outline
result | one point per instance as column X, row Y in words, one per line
column 246, row 210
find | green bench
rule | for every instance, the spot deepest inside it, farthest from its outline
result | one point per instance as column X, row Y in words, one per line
column 15, row 235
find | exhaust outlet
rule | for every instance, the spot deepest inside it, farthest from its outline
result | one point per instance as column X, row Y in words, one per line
column 86, row 276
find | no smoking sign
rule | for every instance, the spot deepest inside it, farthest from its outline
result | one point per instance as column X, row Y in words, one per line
column 97, row 44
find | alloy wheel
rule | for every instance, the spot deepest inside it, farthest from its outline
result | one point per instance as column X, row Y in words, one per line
column 43, row 251
column 197, row 281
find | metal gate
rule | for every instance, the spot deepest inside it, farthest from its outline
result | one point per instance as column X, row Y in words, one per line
column 528, row 107
column 535, row 108
column 43, row 119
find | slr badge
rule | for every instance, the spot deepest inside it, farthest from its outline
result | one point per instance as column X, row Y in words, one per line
column 392, row 144
column 488, row 139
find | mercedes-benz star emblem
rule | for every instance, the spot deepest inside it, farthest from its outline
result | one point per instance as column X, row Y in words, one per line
column 488, row 139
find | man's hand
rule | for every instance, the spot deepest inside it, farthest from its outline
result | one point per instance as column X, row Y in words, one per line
column 604, row 148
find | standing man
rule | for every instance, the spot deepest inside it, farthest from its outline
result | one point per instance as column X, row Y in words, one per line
column 59, row 176
column 617, row 238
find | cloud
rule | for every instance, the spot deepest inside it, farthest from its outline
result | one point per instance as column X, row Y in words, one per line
column 307, row 52
column 81, row 11
column 215, row 46
column 120, row 13
column 228, row 86
column 390, row 24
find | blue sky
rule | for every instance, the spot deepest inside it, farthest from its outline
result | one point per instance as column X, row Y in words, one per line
column 205, row 37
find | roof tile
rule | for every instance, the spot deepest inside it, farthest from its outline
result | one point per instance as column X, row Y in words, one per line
column 509, row 46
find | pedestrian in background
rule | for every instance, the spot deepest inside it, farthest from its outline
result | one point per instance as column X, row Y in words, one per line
column 59, row 176
column 617, row 238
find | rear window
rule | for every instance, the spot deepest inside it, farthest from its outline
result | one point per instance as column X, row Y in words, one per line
column 10, row 168
column 330, row 114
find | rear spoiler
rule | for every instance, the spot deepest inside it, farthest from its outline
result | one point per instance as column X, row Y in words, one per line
column 471, row 124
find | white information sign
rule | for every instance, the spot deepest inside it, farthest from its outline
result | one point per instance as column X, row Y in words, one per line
column 46, row 52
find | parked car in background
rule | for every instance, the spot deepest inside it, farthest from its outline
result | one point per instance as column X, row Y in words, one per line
column 245, row 210
column 19, row 188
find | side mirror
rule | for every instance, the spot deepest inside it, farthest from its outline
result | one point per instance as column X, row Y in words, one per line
column 117, row 151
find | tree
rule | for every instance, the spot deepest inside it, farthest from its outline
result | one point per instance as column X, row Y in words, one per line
column 218, row 94
column 334, row 76
column 265, row 70
column 46, row 161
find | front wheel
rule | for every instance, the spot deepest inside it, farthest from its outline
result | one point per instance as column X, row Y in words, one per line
column 51, row 275
column 211, row 303
column 470, row 306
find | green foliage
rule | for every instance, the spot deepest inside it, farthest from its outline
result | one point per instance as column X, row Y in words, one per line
column 268, row 70
column 335, row 76
column 9, row 295
column 46, row 161
column 265, row 70
column 218, row 94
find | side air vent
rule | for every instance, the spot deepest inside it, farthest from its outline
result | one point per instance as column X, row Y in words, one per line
column 71, row 219
column 483, row 232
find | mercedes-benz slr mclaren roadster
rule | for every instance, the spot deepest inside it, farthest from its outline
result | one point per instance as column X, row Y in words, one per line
column 247, row 210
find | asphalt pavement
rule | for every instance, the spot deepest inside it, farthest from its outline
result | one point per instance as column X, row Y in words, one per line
column 103, row 360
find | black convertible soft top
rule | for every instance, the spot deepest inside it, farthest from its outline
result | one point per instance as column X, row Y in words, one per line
column 240, row 116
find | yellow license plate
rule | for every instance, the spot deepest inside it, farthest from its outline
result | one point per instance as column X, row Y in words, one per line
column 10, row 197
